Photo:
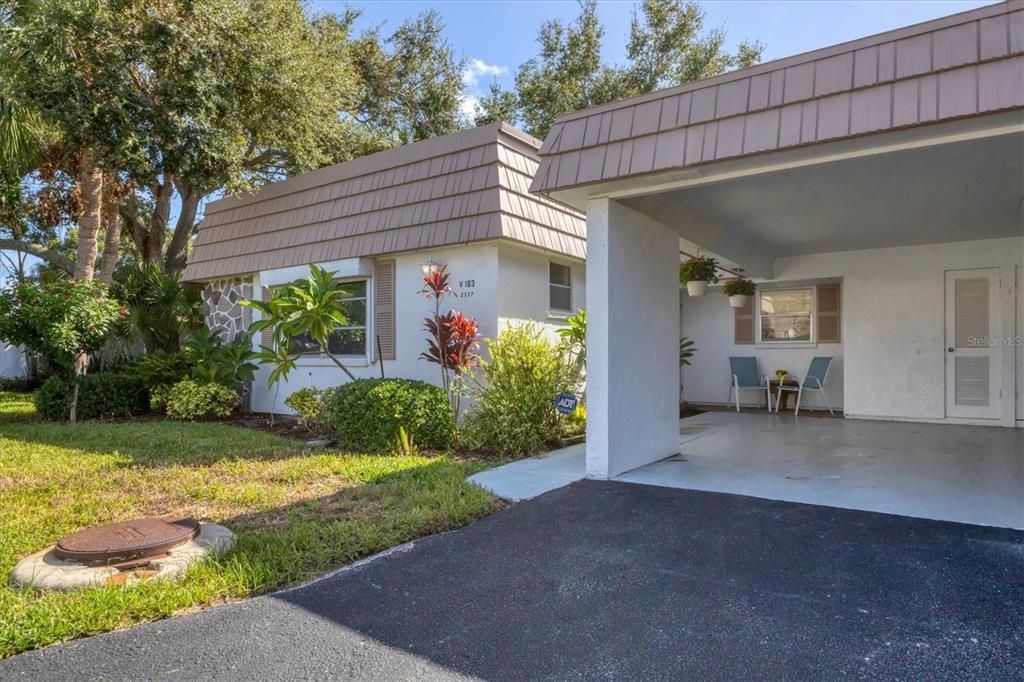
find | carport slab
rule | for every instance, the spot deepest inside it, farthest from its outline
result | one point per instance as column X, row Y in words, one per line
column 604, row 580
column 967, row 474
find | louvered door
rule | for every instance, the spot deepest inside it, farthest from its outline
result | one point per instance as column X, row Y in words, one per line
column 972, row 351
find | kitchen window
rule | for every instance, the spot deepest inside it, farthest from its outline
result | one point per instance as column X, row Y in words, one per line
column 559, row 288
column 349, row 339
column 785, row 315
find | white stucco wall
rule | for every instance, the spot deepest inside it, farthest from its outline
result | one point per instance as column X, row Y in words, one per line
column 523, row 277
column 632, row 339
column 893, row 309
column 496, row 282
column 474, row 278
column 708, row 321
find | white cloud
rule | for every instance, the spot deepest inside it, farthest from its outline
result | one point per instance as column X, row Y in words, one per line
column 475, row 72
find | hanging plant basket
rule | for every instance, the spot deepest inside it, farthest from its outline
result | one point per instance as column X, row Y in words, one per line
column 739, row 300
column 739, row 291
column 697, row 287
column 697, row 273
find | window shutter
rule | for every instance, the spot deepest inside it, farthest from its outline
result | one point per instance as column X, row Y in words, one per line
column 384, row 306
column 744, row 323
column 267, row 335
column 829, row 327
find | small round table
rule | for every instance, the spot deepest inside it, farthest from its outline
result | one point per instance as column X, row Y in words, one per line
column 782, row 396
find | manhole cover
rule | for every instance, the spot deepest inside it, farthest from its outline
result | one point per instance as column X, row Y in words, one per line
column 117, row 543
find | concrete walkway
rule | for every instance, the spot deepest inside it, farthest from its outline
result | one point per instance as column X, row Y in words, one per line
column 968, row 474
column 602, row 580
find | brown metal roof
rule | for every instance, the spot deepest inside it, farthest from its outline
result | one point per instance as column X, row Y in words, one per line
column 954, row 67
column 468, row 186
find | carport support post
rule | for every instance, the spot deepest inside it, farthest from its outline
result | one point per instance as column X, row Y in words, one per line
column 632, row 339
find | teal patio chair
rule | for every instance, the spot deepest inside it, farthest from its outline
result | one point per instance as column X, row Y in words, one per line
column 817, row 373
column 746, row 377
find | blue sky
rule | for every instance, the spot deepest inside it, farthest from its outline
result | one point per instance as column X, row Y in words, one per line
column 497, row 36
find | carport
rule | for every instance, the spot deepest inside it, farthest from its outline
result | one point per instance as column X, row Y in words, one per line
column 893, row 165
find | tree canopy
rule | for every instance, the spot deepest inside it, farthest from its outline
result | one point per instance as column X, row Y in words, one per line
column 668, row 45
column 180, row 100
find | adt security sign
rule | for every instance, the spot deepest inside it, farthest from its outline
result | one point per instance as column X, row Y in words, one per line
column 566, row 403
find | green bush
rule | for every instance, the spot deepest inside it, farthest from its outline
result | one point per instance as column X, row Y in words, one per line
column 190, row 400
column 161, row 368
column 367, row 413
column 100, row 396
column 311, row 405
column 513, row 411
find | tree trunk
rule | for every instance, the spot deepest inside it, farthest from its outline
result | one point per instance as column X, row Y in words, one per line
column 111, row 244
column 90, row 183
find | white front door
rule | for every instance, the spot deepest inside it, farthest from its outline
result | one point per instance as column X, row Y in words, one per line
column 972, row 349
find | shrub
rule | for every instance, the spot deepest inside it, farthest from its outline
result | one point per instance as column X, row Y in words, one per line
column 190, row 400
column 311, row 405
column 368, row 413
column 161, row 368
column 513, row 412
column 158, row 398
column 22, row 384
column 99, row 396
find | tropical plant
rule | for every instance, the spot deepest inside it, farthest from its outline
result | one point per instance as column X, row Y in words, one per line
column 686, row 351
column 160, row 368
column 313, row 306
column 369, row 414
column 739, row 286
column 513, row 411
column 575, row 338
column 698, row 269
column 61, row 321
column 214, row 361
column 162, row 310
column 453, row 339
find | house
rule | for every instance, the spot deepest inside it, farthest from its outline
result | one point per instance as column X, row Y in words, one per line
column 12, row 362
column 461, row 200
column 876, row 185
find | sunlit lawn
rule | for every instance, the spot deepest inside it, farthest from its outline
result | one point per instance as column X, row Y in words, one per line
column 297, row 512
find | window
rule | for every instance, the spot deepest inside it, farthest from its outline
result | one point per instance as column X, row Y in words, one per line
column 785, row 314
column 345, row 340
column 560, row 288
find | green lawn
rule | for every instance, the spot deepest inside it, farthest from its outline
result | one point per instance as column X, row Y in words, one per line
column 297, row 512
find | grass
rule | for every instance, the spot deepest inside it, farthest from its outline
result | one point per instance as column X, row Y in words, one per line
column 297, row 513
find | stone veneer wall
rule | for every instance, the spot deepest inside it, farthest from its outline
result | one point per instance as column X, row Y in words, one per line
column 221, row 308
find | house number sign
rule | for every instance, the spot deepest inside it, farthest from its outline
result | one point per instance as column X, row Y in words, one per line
column 466, row 288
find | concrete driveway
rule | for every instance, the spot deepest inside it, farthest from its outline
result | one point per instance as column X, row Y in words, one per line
column 607, row 580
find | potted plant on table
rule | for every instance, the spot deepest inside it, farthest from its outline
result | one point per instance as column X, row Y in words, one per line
column 697, row 273
column 739, row 291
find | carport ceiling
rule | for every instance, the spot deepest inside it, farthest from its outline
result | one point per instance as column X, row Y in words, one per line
column 958, row 191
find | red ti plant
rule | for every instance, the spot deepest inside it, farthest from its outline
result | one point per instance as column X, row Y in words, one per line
column 453, row 339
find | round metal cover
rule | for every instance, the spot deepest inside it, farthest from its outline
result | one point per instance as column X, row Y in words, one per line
column 117, row 543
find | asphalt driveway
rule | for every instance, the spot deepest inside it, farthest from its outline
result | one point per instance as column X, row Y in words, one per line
column 615, row 581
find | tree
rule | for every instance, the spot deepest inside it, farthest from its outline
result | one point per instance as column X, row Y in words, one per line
column 183, row 99
column 668, row 45
column 314, row 307
column 411, row 92
column 60, row 321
